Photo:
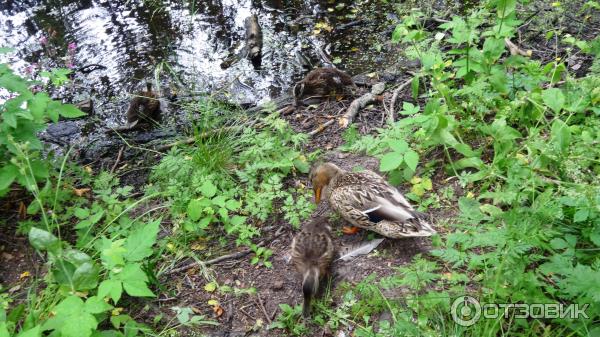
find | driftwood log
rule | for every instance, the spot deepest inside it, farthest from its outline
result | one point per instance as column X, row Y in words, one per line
column 361, row 102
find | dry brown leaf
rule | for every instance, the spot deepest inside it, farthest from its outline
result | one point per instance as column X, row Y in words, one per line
column 218, row 310
column 80, row 192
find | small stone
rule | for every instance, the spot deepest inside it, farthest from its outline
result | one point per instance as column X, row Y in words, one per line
column 278, row 285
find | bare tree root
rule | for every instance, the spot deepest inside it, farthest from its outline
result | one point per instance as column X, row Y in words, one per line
column 361, row 102
column 390, row 116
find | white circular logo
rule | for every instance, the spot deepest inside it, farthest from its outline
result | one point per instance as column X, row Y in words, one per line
column 465, row 310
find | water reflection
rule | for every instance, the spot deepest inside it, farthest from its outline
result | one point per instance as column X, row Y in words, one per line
column 130, row 38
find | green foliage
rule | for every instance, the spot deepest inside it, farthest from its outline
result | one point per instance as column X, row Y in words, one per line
column 290, row 319
column 235, row 199
column 23, row 115
column 518, row 142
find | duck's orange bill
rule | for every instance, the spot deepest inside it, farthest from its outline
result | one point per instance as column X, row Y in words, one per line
column 317, row 195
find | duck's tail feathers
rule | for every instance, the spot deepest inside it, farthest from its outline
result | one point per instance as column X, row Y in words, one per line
column 310, row 285
column 422, row 222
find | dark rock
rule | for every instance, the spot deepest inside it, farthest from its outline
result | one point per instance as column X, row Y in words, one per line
column 63, row 129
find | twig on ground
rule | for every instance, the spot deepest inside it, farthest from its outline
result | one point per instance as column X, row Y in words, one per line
column 262, row 307
column 321, row 127
column 390, row 116
column 209, row 262
column 224, row 257
column 361, row 102
column 515, row 50
column 112, row 170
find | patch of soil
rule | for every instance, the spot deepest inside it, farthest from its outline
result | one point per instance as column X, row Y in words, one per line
column 18, row 262
column 243, row 313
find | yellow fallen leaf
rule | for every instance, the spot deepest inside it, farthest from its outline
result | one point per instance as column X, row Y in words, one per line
column 88, row 169
column 470, row 195
column 213, row 302
column 210, row 287
column 415, row 180
column 24, row 275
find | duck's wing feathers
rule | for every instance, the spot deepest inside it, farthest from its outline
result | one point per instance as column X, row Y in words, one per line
column 374, row 197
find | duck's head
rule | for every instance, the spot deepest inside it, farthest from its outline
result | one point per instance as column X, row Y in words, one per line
column 320, row 176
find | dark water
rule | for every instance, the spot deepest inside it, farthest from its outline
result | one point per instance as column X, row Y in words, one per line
column 183, row 43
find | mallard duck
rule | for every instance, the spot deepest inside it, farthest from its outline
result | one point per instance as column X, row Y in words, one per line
column 323, row 82
column 312, row 253
column 367, row 201
column 144, row 108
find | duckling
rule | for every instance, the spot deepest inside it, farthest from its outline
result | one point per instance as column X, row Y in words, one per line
column 368, row 201
column 144, row 109
column 323, row 82
column 312, row 253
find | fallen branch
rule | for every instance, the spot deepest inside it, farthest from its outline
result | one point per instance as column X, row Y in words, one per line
column 361, row 102
column 321, row 127
column 224, row 257
column 209, row 262
column 390, row 116
column 112, row 170
column 515, row 50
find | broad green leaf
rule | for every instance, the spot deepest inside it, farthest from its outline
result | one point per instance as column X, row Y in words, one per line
column 7, row 175
column 208, row 189
column 398, row 145
column 390, row 161
column 134, row 281
column 37, row 106
column 41, row 239
column 411, row 158
column 85, row 277
column 219, row 200
column 558, row 243
column 561, row 135
column 70, row 111
column 554, row 99
column 232, row 204
column 194, row 209
column 112, row 252
column 40, row 169
column 139, row 243
column 71, row 319
column 581, row 215
column 96, row 305
column 505, row 7
column 112, row 288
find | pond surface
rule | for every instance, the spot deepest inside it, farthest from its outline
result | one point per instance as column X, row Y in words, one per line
column 115, row 46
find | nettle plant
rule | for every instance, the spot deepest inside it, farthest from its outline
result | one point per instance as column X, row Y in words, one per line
column 23, row 114
column 516, row 132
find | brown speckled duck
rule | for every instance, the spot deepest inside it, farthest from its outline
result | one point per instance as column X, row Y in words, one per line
column 367, row 201
column 323, row 82
column 144, row 109
column 312, row 253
